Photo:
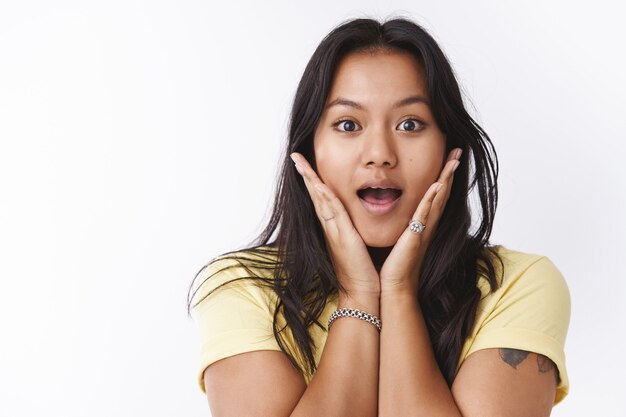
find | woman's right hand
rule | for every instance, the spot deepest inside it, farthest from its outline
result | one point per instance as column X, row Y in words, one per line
column 353, row 265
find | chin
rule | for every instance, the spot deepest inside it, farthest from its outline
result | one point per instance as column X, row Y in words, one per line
column 376, row 239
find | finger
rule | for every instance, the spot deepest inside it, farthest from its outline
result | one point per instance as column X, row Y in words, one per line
column 422, row 212
column 330, row 206
column 338, row 228
column 312, row 184
column 305, row 169
column 446, row 178
column 315, row 187
column 449, row 167
column 455, row 154
column 340, row 214
column 421, row 215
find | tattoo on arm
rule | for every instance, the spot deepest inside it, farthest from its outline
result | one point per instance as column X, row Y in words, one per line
column 545, row 364
column 513, row 356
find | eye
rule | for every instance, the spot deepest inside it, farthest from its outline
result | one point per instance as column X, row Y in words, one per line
column 348, row 125
column 412, row 125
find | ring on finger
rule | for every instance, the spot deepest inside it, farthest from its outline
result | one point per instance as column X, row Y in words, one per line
column 416, row 227
column 330, row 218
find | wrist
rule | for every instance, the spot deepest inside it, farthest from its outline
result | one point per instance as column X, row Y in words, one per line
column 368, row 302
column 397, row 294
column 398, row 287
column 397, row 305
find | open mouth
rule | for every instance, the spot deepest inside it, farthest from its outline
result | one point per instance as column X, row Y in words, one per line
column 379, row 196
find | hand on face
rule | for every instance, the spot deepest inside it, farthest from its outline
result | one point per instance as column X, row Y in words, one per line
column 400, row 272
column 353, row 265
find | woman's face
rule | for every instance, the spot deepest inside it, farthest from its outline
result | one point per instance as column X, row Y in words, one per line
column 377, row 145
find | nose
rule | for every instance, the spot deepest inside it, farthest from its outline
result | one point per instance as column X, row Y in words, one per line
column 378, row 149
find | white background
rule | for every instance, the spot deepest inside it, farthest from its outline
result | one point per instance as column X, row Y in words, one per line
column 141, row 138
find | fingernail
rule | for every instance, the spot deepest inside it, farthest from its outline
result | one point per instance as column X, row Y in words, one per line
column 293, row 158
column 438, row 187
column 298, row 168
column 458, row 153
column 456, row 165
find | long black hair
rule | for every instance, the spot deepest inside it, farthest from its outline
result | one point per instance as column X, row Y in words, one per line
column 295, row 263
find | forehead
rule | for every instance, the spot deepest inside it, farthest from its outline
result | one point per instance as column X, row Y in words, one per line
column 380, row 73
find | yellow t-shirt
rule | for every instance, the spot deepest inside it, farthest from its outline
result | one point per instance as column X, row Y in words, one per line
column 529, row 311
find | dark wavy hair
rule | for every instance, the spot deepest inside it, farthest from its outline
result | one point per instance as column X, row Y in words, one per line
column 296, row 264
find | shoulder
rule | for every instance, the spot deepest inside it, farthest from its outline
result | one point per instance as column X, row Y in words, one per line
column 232, row 304
column 532, row 294
column 525, row 273
column 529, row 311
column 242, row 272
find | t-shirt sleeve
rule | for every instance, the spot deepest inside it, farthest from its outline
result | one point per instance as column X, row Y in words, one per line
column 233, row 319
column 532, row 313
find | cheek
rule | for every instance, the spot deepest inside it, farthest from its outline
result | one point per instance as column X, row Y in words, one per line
column 330, row 169
column 424, row 170
column 333, row 175
column 421, row 174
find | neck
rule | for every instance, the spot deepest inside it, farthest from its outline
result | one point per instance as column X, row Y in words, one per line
column 379, row 255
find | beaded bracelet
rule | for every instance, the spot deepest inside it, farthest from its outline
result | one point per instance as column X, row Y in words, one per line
column 352, row 312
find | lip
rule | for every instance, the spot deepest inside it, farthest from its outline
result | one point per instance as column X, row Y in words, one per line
column 384, row 208
column 380, row 183
column 379, row 209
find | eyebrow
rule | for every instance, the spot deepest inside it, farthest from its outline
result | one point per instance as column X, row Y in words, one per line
column 339, row 101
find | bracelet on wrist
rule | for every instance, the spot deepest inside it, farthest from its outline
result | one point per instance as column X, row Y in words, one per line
column 353, row 312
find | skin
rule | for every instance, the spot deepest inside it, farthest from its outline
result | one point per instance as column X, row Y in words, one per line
column 377, row 259
column 378, row 141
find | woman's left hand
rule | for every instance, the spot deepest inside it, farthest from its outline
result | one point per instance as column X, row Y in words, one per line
column 400, row 272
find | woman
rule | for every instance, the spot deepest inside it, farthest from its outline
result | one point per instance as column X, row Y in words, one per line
column 367, row 293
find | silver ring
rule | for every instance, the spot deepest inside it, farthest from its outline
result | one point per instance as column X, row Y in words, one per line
column 330, row 218
column 416, row 227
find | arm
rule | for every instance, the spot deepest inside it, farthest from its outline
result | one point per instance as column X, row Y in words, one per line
column 510, row 382
column 346, row 380
column 345, row 383
column 491, row 382
column 411, row 383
